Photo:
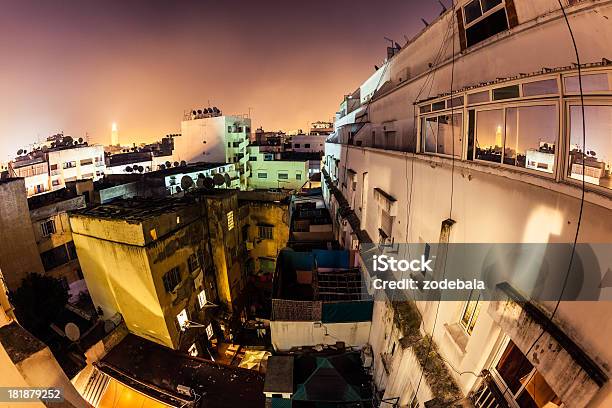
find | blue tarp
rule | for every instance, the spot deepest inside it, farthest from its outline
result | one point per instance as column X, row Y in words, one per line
column 331, row 258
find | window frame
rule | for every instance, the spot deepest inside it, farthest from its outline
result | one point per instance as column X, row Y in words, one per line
column 180, row 278
column 474, row 315
column 575, row 101
column 45, row 231
column 484, row 15
column 455, row 111
column 230, row 220
column 515, row 103
column 268, row 231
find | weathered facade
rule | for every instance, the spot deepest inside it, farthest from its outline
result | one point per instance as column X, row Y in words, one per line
column 472, row 140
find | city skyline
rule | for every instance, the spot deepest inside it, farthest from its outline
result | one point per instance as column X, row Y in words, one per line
column 72, row 69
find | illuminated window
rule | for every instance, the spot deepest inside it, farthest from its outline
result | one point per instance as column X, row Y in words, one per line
column 470, row 312
column 47, row 227
column 193, row 350
column 209, row 331
column 230, row 220
column 202, row 298
column 182, row 319
column 515, row 374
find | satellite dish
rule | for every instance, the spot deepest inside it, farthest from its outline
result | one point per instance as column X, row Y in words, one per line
column 72, row 331
column 183, row 163
column 209, row 183
column 109, row 326
column 199, row 111
column 218, row 179
column 176, row 164
column 186, row 182
column 19, row 152
column 228, row 180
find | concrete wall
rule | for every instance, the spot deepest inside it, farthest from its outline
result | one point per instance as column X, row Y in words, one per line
column 18, row 252
column 286, row 335
column 272, row 168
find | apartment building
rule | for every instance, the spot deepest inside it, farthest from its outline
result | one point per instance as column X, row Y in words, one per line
column 50, row 166
column 162, row 262
column 468, row 134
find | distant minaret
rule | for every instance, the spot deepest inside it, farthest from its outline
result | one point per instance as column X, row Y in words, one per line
column 114, row 135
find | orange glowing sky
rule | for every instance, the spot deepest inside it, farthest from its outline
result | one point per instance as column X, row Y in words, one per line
column 78, row 66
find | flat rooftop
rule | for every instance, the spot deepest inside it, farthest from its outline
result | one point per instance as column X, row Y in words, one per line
column 51, row 197
column 157, row 371
column 137, row 209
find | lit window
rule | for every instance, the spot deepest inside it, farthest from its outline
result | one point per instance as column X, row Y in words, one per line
column 182, row 319
column 202, row 298
column 193, row 350
column 596, row 158
column 470, row 312
column 522, row 382
column 489, row 135
column 47, row 227
column 209, row 331
column 230, row 220
column 171, row 279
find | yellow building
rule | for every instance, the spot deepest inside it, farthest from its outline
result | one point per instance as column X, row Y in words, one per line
column 161, row 263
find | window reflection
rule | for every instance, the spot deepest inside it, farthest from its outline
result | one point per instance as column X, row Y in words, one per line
column 489, row 135
column 531, row 133
column 438, row 131
column 596, row 158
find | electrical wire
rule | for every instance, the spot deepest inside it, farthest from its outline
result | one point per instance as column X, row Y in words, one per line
column 580, row 212
column 433, row 329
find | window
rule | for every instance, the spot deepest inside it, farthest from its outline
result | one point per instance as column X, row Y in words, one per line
column 544, row 87
column 521, row 381
column 283, row 176
column 438, row 131
column 192, row 262
column 72, row 254
column 436, row 106
column 531, row 134
column 484, row 19
column 307, row 145
column 171, row 279
column 298, row 175
column 596, row 158
column 47, row 227
column 386, row 223
column 230, row 220
column 229, row 144
column 236, row 144
column 262, row 175
column 506, row 92
column 182, row 319
column 202, row 298
column 193, row 350
column 590, row 83
column 296, row 145
column 470, row 312
column 53, row 167
column 209, row 331
column 69, row 165
column 253, row 158
column 478, row 97
column 489, row 135
column 86, row 162
column 55, row 257
column 229, row 130
column 265, row 231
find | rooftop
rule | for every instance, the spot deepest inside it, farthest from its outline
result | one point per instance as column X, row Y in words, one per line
column 157, row 371
column 137, row 209
column 18, row 342
column 51, row 197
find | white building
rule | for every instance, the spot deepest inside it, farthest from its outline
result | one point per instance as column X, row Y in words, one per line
column 308, row 143
column 50, row 168
column 413, row 164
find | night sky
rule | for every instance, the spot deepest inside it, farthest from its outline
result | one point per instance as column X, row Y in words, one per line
column 79, row 65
